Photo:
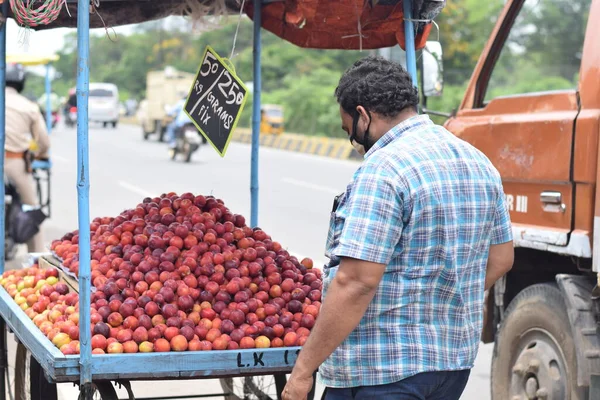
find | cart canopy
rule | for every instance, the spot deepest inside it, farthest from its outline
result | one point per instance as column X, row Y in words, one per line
column 324, row 24
column 31, row 59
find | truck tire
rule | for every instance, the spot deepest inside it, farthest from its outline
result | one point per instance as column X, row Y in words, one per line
column 534, row 352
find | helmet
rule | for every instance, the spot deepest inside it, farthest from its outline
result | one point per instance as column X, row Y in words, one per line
column 15, row 73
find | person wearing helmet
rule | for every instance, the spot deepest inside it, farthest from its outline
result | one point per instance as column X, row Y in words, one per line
column 180, row 119
column 24, row 123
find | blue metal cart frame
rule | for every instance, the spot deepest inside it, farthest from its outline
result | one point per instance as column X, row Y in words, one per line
column 184, row 365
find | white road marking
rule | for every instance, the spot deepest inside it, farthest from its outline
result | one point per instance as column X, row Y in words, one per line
column 135, row 189
column 310, row 185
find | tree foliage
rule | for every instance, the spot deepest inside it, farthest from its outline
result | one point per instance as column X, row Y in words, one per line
column 543, row 53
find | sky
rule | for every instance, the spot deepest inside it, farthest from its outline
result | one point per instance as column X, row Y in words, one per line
column 20, row 40
column 45, row 42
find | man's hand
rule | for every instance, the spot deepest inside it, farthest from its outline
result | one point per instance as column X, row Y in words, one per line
column 297, row 387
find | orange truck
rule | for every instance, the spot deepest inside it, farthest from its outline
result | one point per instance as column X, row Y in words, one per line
column 533, row 107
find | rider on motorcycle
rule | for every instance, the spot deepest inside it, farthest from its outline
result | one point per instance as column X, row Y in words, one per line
column 23, row 123
column 180, row 120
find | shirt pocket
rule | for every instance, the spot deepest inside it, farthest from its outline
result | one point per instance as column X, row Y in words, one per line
column 336, row 225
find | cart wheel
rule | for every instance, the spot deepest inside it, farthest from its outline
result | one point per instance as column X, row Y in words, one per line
column 250, row 388
column 102, row 390
column 264, row 387
column 30, row 382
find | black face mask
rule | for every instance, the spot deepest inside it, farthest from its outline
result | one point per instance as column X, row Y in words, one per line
column 365, row 142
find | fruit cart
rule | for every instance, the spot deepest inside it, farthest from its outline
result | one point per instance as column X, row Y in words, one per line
column 94, row 373
column 51, row 364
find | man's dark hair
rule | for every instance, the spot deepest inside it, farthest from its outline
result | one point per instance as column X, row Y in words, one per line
column 379, row 85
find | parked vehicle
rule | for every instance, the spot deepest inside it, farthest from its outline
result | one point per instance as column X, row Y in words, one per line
column 104, row 106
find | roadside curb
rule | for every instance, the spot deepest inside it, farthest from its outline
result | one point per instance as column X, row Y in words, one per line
column 316, row 145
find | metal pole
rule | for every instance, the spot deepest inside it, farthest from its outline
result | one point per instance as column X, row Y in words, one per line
column 409, row 36
column 3, row 350
column 48, row 102
column 83, row 195
column 255, row 116
column 2, row 125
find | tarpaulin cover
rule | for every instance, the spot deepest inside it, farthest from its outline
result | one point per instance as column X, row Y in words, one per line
column 346, row 24
column 112, row 13
column 324, row 24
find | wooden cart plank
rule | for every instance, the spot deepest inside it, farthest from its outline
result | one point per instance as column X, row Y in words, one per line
column 185, row 365
column 49, row 261
column 195, row 364
column 50, row 258
column 42, row 349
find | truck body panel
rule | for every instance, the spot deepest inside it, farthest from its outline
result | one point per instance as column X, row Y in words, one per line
column 545, row 145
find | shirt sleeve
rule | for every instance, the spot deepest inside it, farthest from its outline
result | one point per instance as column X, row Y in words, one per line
column 373, row 216
column 502, row 228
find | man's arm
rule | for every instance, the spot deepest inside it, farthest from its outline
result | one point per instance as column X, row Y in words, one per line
column 371, row 232
column 40, row 134
column 348, row 297
column 501, row 255
column 500, row 261
column 370, row 235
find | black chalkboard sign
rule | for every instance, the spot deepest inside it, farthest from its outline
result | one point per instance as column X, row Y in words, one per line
column 216, row 100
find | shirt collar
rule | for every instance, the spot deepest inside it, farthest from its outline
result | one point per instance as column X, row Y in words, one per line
column 11, row 89
column 398, row 131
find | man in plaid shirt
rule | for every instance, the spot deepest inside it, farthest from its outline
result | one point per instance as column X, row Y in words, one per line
column 420, row 233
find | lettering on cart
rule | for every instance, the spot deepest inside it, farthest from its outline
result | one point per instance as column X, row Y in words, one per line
column 244, row 360
column 518, row 204
column 286, row 354
column 216, row 100
column 256, row 362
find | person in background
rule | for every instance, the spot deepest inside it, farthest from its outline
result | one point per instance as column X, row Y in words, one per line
column 180, row 119
column 420, row 233
column 24, row 123
column 71, row 101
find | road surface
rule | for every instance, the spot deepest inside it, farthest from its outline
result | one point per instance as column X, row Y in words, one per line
column 296, row 195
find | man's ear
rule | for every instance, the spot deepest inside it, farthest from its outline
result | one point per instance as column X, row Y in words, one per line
column 364, row 115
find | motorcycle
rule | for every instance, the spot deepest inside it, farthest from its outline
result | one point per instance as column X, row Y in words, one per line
column 187, row 141
column 71, row 117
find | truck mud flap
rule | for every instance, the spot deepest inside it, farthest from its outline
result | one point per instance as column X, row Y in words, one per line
column 577, row 292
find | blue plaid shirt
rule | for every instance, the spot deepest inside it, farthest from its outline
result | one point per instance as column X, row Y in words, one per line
column 428, row 205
